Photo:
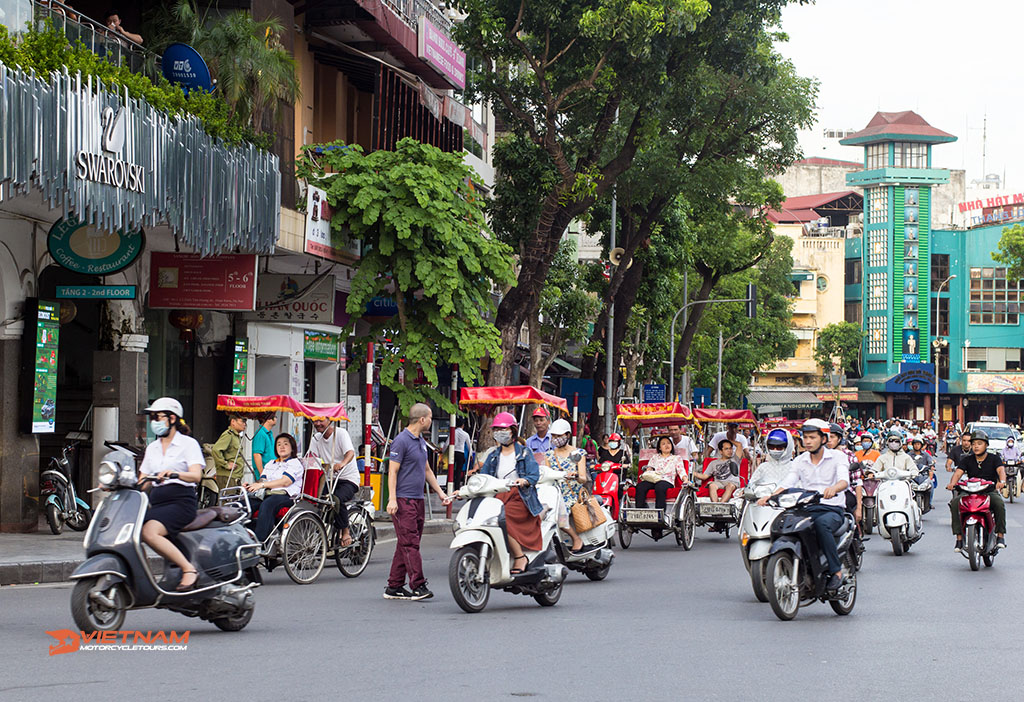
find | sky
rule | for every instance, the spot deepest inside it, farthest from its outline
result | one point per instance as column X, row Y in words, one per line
column 948, row 60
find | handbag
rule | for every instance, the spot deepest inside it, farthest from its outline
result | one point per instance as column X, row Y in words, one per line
column 650, row 476
column 586, row 513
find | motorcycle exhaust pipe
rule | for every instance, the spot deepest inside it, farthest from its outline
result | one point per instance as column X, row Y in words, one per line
column 555, row 573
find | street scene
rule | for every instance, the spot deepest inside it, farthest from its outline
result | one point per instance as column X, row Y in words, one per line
column 497, row 348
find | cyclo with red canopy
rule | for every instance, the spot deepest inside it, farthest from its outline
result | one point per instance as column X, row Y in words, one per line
column 304, row 534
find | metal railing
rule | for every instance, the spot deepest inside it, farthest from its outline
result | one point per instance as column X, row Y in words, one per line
column 411, row 11
column 101, row 40
column 849, row 232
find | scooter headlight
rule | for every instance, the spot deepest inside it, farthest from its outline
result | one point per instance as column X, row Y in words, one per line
column 891, row 473
column 475, row 483
column 127, row 477
column 107, row 474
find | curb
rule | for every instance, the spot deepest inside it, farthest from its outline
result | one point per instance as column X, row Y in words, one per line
column 37, row 572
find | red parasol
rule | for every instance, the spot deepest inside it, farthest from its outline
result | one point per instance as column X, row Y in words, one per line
column 484, row 398
column 729, row 416
column 251, row 404
column 653, row 414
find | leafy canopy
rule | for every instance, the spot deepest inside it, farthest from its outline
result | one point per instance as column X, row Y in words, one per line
column 426, row 244
column 1011, row 251
column 839, row 340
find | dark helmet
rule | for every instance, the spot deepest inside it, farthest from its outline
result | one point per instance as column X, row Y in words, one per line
column 836, row 429
column 979, row 435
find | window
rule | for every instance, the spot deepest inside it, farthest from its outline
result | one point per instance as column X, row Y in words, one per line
column 877, row 156
column 943, row 316
column 940, row 271
column 821, row 283
column 878, row 292
column 878, row 248
column 878, row 335
column 942, row 356
column 993, row 298
column 852, row 313
column 908, row 154
column 854, row 270
column 878, row 203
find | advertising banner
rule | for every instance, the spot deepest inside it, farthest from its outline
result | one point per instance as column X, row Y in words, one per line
column 294, row 298
column 441, row 53
column 320, row 239
column 44, row 386
column 321, row 346
column 240, row 366
column 191, row 282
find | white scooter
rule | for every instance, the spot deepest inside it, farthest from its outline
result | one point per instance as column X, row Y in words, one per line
column 595, row 559
column 756, row 536
column 482, row 559
column 899, row 516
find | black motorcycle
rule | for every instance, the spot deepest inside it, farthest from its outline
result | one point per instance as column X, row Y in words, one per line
column 116, row 577
column 797, row 573
column 60, row 501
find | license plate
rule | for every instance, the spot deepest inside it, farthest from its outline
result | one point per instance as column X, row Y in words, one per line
column 639, row 516
column 714, row 509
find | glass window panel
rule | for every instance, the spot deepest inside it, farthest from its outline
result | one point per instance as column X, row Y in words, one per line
column 999, row 319
column 975, row 272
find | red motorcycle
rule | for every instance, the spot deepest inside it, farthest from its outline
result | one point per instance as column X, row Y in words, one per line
column 978, row 522
column 607, row 481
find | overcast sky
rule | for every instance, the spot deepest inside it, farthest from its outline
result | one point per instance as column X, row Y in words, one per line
column 948, row 60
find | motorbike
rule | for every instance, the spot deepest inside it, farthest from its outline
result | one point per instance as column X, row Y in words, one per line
column 869, row 503
column 482, row 559
column 1012, row 479
column 923, row 493
column 797, row 573
column 61, row 502
column 755, row 536
column 116, row 576
column 595, row 560
column 899, row 516
column 607, row 486
column 978, row 522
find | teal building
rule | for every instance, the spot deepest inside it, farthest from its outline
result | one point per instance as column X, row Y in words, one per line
column 927, row 296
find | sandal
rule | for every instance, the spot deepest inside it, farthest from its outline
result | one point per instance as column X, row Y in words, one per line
column 519, row 571
column 341, row 541
column 182, row 587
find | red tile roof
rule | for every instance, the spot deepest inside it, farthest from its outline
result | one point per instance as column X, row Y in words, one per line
column 906, row 122
column 802, row 208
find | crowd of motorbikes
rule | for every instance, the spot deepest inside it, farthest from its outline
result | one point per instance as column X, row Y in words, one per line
column 779, row 548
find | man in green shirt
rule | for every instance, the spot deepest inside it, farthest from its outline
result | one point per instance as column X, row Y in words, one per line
column 263, row 444
column 227, row 453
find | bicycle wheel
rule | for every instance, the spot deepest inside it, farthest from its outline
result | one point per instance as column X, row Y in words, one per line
column 352, row 560
column 304, row 548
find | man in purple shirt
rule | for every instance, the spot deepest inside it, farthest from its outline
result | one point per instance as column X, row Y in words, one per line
column 407, row 473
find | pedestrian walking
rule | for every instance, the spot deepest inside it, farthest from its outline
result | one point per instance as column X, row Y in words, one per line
column 408, row 472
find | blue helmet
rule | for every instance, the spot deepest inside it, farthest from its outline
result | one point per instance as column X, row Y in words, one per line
column 779, row 437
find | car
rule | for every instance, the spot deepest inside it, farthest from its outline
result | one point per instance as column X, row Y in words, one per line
column 998, row 433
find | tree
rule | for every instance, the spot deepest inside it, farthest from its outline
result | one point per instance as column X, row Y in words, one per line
column 566, row 310
column 427, row 245
column 1011, row 251
column 837, row 350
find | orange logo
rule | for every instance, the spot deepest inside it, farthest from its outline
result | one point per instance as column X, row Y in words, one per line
column 67, row 641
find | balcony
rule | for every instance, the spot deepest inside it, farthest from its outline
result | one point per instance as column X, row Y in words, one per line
column 410, row 12
column 99, row 39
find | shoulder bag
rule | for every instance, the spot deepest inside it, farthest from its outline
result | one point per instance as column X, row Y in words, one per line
column 586, row 513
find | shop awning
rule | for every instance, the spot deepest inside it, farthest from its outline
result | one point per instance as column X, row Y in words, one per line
column 565, row 365
column 869, row 397
column 801, row 274
column 783, row 399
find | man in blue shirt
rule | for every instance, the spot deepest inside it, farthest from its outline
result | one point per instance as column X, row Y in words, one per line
column 407, row 473
column 263, row 444
column 540, row 442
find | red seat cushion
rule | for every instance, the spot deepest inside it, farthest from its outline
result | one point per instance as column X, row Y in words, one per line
column 280, row 513
column 744, row 476
column 673, row 492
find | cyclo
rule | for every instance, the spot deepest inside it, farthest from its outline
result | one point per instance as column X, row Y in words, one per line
column 304, row 534
column 689, row 505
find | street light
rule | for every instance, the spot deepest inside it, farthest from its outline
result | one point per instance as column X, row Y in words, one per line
column 936, row 345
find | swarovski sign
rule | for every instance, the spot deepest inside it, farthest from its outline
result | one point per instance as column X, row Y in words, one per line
column 111, row 170
column 118, row 163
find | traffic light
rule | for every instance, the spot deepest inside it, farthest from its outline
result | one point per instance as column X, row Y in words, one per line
column 751, row 301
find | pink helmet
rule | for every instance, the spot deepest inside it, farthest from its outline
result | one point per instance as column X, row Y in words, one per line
column 503, row 420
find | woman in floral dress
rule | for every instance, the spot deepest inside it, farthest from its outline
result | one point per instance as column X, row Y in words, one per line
column 560, row 457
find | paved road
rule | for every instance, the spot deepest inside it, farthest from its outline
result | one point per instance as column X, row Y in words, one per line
column 665, row 622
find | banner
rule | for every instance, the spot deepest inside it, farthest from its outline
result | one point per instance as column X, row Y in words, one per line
column 191, row 282
column 294, row 298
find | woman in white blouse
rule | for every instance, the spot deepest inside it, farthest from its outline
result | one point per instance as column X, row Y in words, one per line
column 176, row 462
column 282, row 479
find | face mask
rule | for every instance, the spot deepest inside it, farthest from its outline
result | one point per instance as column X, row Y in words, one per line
column 503, row 436
column 866, row 446
column 776, row 454
column 613, row 445
column 894, row 446
column 559, row 441
column 159, row 428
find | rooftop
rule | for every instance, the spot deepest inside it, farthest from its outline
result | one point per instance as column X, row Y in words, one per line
column 819, row 161
column 898, row 126
column 807, row 208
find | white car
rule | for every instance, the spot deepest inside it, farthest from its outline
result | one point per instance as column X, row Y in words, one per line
column 997, row 432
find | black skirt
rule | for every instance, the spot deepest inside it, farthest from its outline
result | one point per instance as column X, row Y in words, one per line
column 174, row 506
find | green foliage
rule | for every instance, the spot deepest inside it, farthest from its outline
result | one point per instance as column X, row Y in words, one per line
column 1011, row 251
column 47, row 50
column 842, row 341
column 426, row 243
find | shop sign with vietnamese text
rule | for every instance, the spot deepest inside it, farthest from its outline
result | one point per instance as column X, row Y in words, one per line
column 294, row 298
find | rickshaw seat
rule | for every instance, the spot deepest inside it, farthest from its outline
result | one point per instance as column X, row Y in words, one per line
column 703, row 491
column 312, row 477
column 673, row 492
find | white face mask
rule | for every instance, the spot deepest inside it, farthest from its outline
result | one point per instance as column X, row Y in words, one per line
column 613, row 445
column 159, row 428
column 894, row 446
column 503, row 436
column 776, row 454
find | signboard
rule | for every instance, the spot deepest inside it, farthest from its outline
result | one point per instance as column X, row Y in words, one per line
column 294, row 298
column 96, row 292
column 191, row 282
column 911, row 345
column 183, row 65
column 321, row 346
column 996, row 201
column 701, row 397
column 39, row 348
column 581, row 386
column 240, row 366
column 441, row 53
column 321, row 240
column 83, row 248
column 995, row 383
column 654, row 393
column 381, row 307
column 915, row 378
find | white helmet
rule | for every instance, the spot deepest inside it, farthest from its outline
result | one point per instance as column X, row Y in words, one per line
column 559, row 427
column 818, row 425
column 166, row 404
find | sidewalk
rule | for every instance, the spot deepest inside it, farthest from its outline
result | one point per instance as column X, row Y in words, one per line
column 27, row 559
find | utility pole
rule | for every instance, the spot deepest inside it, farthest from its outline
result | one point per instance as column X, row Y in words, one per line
column 718, row 393
column 609, row 367
column 686, row 317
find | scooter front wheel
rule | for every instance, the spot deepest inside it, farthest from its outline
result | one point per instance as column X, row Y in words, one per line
column 54, row 519
column 98, row 610
column 783, row 586
column 973, row 547
column 757, row 579
column 896, row 536
column 465, row 567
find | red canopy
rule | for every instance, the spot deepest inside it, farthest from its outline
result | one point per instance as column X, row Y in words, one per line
column 786, row 423
column 653, row 414
column 250, row 404
column 706, row 414
column 484, row 398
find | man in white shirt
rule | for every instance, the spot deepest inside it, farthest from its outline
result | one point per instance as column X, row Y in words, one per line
column 463, row 449
column 682, row 445
column 733, row 434
column 827, row 471
column 334, row 447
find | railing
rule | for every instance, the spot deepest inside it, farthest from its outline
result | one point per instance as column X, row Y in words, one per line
column 850, row 232
column 412, row 10
column 101, row 40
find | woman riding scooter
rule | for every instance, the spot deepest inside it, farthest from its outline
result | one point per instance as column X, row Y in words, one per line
column 175, row 460
column 510, row 461
column 560, row 457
